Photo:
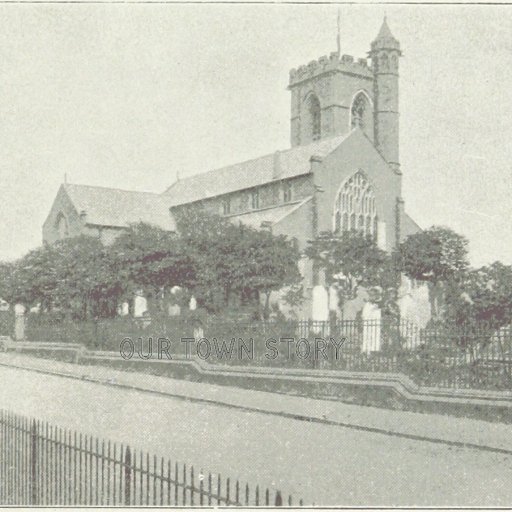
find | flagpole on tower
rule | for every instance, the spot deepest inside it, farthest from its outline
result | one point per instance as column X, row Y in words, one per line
column 338, row 37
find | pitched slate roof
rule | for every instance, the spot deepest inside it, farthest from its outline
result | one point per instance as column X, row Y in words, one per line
column 291, row 162
column 118, row 208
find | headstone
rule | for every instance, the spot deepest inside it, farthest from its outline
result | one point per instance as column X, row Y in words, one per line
column 320, row 309
column 123, row 309
column 192, row 305
column 174, row 310
column 140, row 304
column 198, row 332
column 36, row 308
column 175, row 289
column 334, row 298
column 19, row 322
column 371, row 316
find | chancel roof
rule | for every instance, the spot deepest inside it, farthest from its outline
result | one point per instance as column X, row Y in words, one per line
column 119, row 208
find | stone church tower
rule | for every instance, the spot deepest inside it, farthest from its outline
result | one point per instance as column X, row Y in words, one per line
column 333, row 95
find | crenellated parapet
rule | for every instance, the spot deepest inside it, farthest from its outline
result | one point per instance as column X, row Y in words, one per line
column 334, row 63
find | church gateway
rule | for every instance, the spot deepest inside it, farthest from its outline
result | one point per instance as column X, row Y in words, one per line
column 342, row 171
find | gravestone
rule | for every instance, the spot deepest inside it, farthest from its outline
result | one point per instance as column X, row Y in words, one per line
column 320, row 309
column 140, row 304
column 371, row 316
column 19, row 322
column 123, row 309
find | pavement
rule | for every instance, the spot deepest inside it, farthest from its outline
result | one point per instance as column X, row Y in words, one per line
column 326, row 452
column 414, row 425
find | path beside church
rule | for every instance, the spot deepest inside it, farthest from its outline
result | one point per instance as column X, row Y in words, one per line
column 324, row 463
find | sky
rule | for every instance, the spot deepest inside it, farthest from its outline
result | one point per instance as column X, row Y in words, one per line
column 130, row 95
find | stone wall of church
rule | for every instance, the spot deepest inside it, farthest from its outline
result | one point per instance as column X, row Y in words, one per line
column 270, row 194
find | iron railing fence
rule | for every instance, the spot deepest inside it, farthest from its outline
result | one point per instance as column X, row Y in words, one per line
column 476, row 356
column 100, row 333
column 45, row 465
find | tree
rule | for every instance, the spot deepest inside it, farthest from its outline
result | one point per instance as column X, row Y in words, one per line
column 86, row 285
column 210, row 241
column 235, row 261
column 352, row 260
column 210, row 258
column 72, row 275
column 482, row 296
column 150, row 258
column 435, row 256
column 33, row 278
column 265, row 263
column 6, row 282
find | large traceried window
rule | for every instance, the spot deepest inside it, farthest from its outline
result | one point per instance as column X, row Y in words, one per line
column 354, row 207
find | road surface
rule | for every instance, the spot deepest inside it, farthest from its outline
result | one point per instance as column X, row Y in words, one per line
column 323, row 464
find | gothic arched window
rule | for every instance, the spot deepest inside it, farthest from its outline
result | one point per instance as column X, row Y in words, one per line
column 355, row 205
column 62, row 226
column 315, row 117
column 361, row 114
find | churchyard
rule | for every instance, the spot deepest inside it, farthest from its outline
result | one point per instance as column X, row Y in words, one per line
column 225, row 295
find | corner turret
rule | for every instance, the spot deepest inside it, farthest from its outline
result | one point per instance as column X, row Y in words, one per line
column 385, row 53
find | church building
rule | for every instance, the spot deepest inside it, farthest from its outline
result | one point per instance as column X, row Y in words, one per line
column 342, row 171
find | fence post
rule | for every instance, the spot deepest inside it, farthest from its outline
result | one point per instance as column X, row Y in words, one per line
column 127, row 476
column 279, row 499
column 33, row 464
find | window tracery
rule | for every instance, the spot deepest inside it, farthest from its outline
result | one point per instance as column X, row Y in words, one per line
column 354, row 207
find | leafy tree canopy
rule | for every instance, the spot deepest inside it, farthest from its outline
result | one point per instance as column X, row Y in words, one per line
column 236, row 259
column 434, row 255
column 482, row 295
column 352, row 259
column 150, row 258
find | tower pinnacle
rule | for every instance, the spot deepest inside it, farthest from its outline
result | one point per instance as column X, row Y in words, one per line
column 385, row 39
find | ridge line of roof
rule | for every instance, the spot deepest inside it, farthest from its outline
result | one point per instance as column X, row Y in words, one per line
column 281, row 151
column 111, row 188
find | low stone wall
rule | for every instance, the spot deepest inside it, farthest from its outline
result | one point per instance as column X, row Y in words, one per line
column 389, row 390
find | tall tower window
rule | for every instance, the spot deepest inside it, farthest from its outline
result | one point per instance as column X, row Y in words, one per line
column 314, row 109
column 312, row 119
column 354, row 208
column 361, row 112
